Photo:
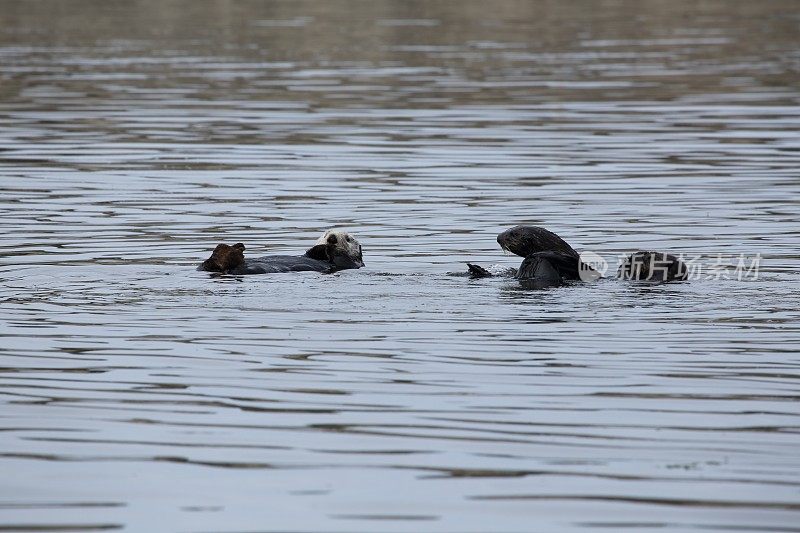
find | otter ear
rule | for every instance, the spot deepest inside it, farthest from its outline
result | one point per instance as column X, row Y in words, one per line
column 319, row 251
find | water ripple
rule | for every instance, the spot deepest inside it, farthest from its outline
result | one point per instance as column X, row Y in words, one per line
column 138, row 392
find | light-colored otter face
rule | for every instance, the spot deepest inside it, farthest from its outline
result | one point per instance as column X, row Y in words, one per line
column 347, row 250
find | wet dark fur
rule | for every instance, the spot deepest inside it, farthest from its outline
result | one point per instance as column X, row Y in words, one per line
column 526, row 240
column 553, row 267
column 653, row 266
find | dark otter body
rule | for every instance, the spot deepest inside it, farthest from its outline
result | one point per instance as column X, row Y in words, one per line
column 273, row 264
column 550, row 261
column 653, row 266
column 552, row 268
column 331, row 256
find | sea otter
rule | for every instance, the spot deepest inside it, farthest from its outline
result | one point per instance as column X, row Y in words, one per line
column 334, row 250
column 550, row 261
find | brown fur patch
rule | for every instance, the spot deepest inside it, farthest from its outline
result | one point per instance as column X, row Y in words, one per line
column 225, row 258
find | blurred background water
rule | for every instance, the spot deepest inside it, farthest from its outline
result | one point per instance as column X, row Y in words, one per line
column 139, row 394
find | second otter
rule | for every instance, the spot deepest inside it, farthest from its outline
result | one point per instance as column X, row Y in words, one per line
column 549, row 260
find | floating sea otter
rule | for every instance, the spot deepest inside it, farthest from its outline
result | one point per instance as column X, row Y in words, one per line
column 335, row 250
column 550, row 261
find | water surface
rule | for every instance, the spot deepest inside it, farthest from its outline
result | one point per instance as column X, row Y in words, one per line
column 139, row 394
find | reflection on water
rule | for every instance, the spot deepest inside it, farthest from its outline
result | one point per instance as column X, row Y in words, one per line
column 138, row 392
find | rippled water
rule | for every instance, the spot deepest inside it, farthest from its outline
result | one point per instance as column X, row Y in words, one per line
column 140, row 394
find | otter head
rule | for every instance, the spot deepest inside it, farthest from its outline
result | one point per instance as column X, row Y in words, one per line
column 526, row 240
column 224, row 258
column 653, row 266
column 338, row 247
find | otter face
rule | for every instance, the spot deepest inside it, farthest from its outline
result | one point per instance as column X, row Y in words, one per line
column 224, row 258
column 526, row 240
column 342, row 249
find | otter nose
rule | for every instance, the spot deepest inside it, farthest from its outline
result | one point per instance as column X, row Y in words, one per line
column 504, row 238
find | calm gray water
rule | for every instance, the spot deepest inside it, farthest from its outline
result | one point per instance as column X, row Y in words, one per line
column 140, row 395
